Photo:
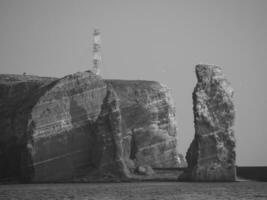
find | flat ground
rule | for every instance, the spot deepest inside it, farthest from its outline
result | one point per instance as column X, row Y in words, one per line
column 138, row 190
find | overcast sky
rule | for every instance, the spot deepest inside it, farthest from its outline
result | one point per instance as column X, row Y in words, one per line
column 154, row 40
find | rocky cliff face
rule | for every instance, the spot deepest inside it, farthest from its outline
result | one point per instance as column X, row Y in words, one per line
column 148, row 124
column 211, row 155
column 110, row 142
column 18, row 94
column 61, row 129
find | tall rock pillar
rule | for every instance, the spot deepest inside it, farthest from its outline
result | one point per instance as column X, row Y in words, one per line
column 211, row 155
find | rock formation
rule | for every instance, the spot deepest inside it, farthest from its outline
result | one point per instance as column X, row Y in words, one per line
column 63, row 129
column 148, row 124
column 110, row 140
column 211, row 155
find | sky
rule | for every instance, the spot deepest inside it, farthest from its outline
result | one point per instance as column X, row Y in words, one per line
column 159, row 40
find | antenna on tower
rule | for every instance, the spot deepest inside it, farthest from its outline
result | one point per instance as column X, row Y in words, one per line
column 97, row 61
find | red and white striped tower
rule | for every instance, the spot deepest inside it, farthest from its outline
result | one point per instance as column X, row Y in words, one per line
column 97, row 60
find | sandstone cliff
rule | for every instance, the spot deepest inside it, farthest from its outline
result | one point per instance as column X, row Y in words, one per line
column 148, row 123
column 211, row 155
column 63, row 129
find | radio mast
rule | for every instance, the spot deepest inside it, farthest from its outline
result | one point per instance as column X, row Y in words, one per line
column 97, row 61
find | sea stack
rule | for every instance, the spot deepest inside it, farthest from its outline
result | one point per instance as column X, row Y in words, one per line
column 211, row 155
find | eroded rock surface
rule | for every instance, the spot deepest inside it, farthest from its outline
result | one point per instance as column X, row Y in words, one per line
column 148, row 124
column 211, row 155
column 18, row 95
column 64, row 129
column 109, row 134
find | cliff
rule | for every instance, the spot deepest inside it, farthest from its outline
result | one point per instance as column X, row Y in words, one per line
column 64, row 129
column 148, row 123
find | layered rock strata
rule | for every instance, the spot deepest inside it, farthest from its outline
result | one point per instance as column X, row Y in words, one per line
column 110, row 142
column 211, row 155
column 62, row 126
column 148, row 124
column 63, row 129
column 18, row 95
